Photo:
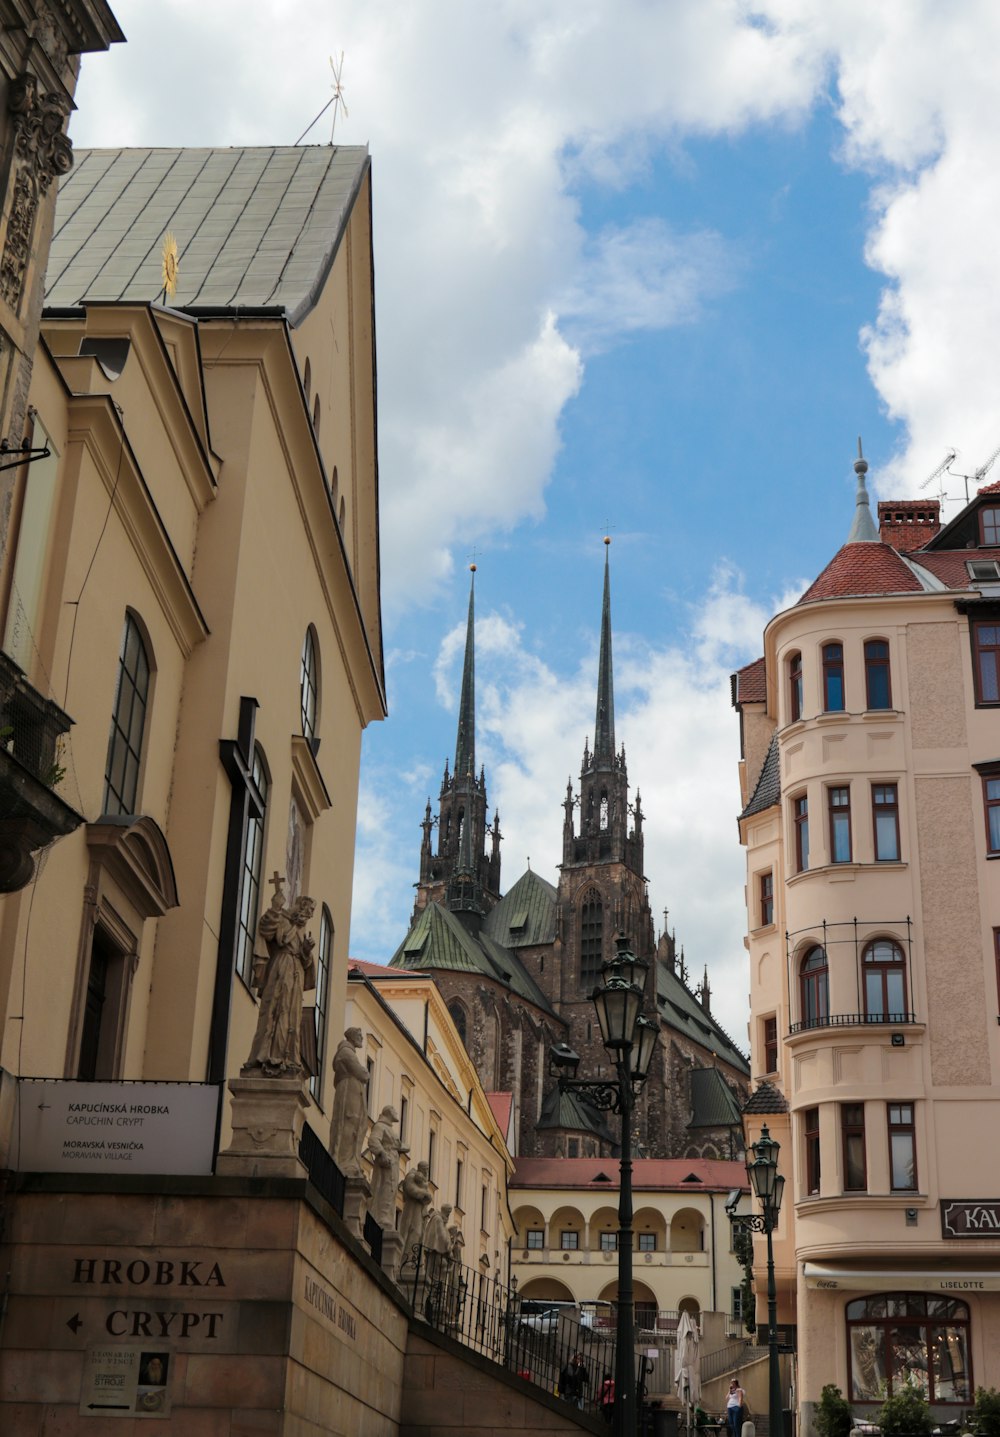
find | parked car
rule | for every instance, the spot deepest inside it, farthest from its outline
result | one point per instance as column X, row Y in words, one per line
column 542, row 1315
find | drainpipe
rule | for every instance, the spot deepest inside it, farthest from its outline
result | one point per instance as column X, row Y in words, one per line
column 711, row 1208
column 427, row 1023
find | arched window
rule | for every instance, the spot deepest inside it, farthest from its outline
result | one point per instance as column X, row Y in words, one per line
column 885, row 982
column 307, row 380
column 458, row 1018
column 253, row 851
column 591, row 937
column 604, row 812
column 324, row 957
column 794, row 687
column 309, row 684
column 316, row 414
column 897, row 1338
column 878, row 688
column 833, row 678
column 814, row 988
column 128, row 722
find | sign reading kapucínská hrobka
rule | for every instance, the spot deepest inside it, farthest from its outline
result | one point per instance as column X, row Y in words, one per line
column 65, row 1126
column 970, row 1217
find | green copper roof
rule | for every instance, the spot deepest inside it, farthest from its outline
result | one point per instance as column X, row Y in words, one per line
column 680, row 1009
column 524, row 916
column 712, row 1101
column 604, row 721
column 572, row 1111
column 439, row 940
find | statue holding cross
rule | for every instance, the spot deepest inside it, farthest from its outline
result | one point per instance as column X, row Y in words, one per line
column 281, row 979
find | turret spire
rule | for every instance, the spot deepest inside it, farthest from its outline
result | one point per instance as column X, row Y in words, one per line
column 604, row 722
column 863, row 530
column 465, row 743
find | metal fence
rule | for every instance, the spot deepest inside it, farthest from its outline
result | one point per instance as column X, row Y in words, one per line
column 331, row 1184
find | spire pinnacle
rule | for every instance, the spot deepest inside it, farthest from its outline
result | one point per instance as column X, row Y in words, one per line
column 863, row 530
column 465, row 743
column 604, row 722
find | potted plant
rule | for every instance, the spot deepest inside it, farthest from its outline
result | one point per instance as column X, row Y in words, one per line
column 906, row 1413
column 833, row 1416
column 984, row 1419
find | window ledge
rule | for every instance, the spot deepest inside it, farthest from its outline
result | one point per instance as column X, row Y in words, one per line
column 761, row 932
column 829, row 1202
column 310, row 781
column 848, row 870
column 802, row 1037
column 882, row 715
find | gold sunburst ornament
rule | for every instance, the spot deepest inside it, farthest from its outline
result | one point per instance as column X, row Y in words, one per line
column 169, row 265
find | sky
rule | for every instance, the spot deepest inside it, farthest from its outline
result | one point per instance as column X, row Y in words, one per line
column 644, row 268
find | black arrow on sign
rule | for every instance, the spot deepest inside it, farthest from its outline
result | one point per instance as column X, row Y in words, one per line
column 74, row 1323
column 110, row 1406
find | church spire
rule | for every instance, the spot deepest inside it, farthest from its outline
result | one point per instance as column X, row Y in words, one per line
column 604, row 722
column 465, row 742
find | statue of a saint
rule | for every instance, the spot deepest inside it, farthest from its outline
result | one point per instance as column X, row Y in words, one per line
column 281, row 980
column 437, row 1243
column 385, row 1148
column 417, row 1197
column 350, row 1081
column 457, row 1241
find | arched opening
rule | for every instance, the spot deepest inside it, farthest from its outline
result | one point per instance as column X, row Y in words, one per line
column 591, row 937
column 687, row 1231
column 814, row 988
column 459, row 1018
column 884, row 968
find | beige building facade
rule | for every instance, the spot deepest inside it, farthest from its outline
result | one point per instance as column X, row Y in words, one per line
column 870, row 779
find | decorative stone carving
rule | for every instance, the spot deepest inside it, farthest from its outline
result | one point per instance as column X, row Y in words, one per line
column 38, row 130
column 350, row 1082
column 417, row 1198
column 384, row 1148
column 17, row 248
column 281, row 979
column 267, row 1115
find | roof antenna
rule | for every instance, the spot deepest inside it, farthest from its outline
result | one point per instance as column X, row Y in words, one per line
column 336, row 100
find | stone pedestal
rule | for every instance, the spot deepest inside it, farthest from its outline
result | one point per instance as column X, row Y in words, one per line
column 268, row 1114
column 357, row 1195
column 392, row 1252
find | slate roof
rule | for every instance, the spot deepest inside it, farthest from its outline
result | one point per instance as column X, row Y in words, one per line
column 766, row 1098
column 681, row 1010
column 712, row 1102
column 767, row 791
column 648, row 1174
column 572, row 1111
column 254, row 227
column 862, row 569
column 439, row 940
column 525, row 915
column 750, row 683
column 949, row 566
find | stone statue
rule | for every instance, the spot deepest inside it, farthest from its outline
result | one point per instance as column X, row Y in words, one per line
column 281, row 979
column 457, row 1241
column 417, row 1196
column 385, row 1148
column 437, row 1243
column 350, row 1081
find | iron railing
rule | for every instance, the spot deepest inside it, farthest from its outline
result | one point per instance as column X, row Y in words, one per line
column 853, row 1020
column 477, row 1309
column 331, row 1185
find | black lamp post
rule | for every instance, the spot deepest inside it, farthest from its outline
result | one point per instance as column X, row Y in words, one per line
column 768, row 1186
column 631, row 1041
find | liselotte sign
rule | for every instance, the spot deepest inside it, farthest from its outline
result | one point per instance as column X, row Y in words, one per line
column 970, row 1217
column 71, row 1127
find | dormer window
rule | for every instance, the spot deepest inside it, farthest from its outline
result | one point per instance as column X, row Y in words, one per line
column 989, row 526
column 983, row 571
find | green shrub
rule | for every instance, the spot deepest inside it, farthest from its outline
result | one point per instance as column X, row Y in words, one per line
column 833, row 1416
column 906, row 1412
column 985, row 1415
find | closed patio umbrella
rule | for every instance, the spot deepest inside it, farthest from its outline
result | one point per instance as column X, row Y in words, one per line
column 688, row 1380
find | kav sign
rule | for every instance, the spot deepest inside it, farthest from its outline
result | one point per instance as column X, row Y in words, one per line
column 70, row 1127
column 969, row 1217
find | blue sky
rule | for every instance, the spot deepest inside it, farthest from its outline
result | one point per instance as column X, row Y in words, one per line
column 645, row 267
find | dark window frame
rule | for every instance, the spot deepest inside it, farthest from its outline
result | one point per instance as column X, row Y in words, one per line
column 766, row 898
column 309, row 685
column 324, row 963
column 565, row 1243
column 129, row 715
column 534, row 1239
column 251, row 860
column 885, row 809
column 811, row 1148
column 839, row 820
column 884, row 969
column 591, row 937
column 852, row 1128
column 794, row 687
column 608, row 1241
column 991, row 811
column 833, row 674
column 800, row 820
column 769, row 1028
column 985, row 660
column 989, row 527
column 902, row 1127
column 877, row 666
column 647, row 1242
column 897, row 1315
column 814, row 987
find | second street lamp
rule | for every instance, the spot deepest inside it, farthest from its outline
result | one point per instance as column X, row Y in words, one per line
column 768, row 1187
column 631, row 1042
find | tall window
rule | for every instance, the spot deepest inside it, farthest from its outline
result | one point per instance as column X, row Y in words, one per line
column 902, row 1148
column 324, row 955
column 996, row 949
column 898, row 1338
column 852, row 1133
column 459, row 1170
column 253, row 850
column 591, row 938
column 794, row 687
column 309, row 684
column 885, row 981
column 991, row 799
column 986, row 660
column 458, row 1018
column 839, row 800
column 121, row 776
column 878, row 689
column 569, row 1241
column 431, row 1139
column 989, row 526
column 766, row 899
column 885, row 822
column 800, row 816
column 810, row 1134
column 833, row 677
column 771, row 1045
column 814, row 980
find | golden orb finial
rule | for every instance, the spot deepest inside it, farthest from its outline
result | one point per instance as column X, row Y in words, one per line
column 472, row 568
column 607, row 538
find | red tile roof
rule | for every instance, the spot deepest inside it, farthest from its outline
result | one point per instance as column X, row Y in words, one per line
column 865, row 568
column 500, row 1106
column 751, row 687
column 949, row 565
column 993, row 488
column 648, row 1174
column 379, row 970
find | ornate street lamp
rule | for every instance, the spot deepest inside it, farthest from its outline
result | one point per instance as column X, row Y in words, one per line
column 768, row 1186
column 631, row 1041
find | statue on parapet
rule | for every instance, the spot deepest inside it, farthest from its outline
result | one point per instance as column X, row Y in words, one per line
column 281, row 979
column 350, row 1112
column 417, row 1198
column 385, row 1150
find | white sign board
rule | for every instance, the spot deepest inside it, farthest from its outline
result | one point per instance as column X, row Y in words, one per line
column 126, row 1382
column 70, row 1127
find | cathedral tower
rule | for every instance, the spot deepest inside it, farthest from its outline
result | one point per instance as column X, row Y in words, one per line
column 461, row 875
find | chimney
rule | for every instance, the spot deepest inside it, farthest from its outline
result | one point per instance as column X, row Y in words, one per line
column 908, row 524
